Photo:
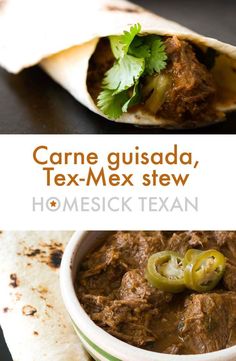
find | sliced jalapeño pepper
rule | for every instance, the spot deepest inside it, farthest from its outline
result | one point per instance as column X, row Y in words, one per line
column 190, row 256
column 203, row 269
column 165, row 271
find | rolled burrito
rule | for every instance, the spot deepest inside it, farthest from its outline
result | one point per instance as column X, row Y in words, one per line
column 35, row 323
column 121, row 61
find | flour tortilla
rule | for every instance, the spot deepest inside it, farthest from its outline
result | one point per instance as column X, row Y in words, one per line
column 32, row 315
column 62, row 35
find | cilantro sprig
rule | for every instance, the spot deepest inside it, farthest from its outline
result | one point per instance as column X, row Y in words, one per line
column 135, row 57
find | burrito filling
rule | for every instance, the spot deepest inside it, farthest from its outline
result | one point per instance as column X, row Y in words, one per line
column 166, row 77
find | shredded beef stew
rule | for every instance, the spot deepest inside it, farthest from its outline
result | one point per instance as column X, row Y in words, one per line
column 114, row 292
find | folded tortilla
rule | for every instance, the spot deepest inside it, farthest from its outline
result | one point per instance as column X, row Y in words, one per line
column 32, row 315
column 62, row 35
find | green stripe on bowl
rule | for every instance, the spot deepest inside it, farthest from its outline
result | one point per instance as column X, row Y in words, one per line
column 95, row 347
column 93, row 357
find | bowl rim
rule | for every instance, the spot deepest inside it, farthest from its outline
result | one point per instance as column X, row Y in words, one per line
column 103, row 339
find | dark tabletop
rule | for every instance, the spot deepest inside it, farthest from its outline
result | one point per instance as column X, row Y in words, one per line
column 4, row 354
column 32, row 103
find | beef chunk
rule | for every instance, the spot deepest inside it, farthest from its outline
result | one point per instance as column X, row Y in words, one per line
column 127, row 320
column 94, row 304
column 136, row 247
column 134, row 286
column 192, row 93
column 105, row 283
column 182, row 241
column 222, row 241
column 229, row 278
column 128, row 316
column 128, row 249
column 206, row 324
column 227, row 243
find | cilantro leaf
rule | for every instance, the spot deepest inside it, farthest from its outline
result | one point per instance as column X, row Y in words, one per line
column 124, row 74
column 120, row 44
column 136, row 56
column 116, row 46
column 135, row 98
column 128, row 36
column 138, row 48
column 157, row 60
column 111, row 105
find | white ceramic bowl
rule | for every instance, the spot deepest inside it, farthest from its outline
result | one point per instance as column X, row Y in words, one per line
column 101, row 345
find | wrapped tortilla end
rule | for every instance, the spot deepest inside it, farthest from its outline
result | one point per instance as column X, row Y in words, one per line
column 34, row 320
column 130, row 65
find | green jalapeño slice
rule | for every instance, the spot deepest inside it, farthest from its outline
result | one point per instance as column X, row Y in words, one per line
column 165, row 271
column 203, row 269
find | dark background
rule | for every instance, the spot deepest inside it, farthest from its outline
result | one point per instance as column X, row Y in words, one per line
column 4, row 354
column 32, row 103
